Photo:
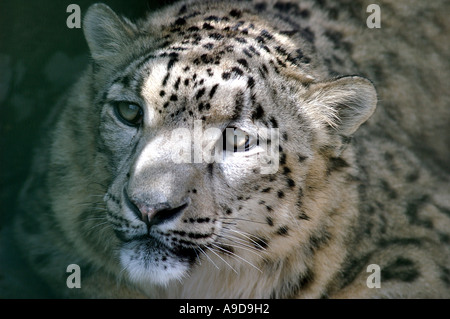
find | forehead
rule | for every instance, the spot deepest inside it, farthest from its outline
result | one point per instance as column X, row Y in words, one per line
column 210, row 68
column 214, row 92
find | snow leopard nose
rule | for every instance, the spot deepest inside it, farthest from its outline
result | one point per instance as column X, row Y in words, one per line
column 154, row 214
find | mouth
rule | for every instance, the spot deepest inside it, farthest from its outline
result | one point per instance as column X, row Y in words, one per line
column 147, row 260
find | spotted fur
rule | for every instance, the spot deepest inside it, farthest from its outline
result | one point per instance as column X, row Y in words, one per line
column 106, row 195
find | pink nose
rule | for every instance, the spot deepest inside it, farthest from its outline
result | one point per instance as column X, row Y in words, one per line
column 157, row 213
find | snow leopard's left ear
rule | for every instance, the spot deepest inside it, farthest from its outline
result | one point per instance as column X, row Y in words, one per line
column 106, row 33
column 344, row 103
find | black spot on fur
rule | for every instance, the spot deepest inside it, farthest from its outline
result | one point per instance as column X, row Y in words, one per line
column 383, row 243
column 216, row 36
column 283, row 231
column 200, row 93
column 171, row 63
column 212, row 18
column 213, row 90
column 237, row 71
column 392, row 194
column 208, row 46
column 260, row 6
column 258, row 113
column 282, row 159
column 206, row 59
column 235, row 13
column 193, row 29
column 183, row 10
column 228, row 250
column 307, row 34
column 317, row 241
column 336, row 164
column 289, row 32
column 286, row 7
column 352, row 267
column 290, row 182
column 177, row 84
column 207, row 26
column 291, row 287
column 445, row 275
column 238, row 105
column 280, row 194
column 173, row 98
column 274, row 122
column 260, row 243
column 302, row 215
column 250, row 82
column 301, row 158
column 414, row 176
column 240, row 40
column 402, row 269
column 412, row 212
column 226, row 75
column 266, row 34
column 247, row 53
column 243, row 62
column 180, row 22
column 306, row 278
column 269, row 221
column 210, row 168
column 166, row 78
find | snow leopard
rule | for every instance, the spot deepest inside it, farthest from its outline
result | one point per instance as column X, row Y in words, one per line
column 323, row 175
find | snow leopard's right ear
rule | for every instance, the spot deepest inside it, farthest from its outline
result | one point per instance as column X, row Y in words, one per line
column 105, row 32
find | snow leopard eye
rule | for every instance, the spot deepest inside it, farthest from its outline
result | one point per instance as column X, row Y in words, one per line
column 129, row 113
column 237, row 140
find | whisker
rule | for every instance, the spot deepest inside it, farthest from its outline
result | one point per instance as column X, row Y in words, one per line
column 249, row 238
column 101, row 224
column 240, row 240
column 245, row 260
column 212, row 250
column 243, row 246
column 91, row 205
column 93, row 218
column 243, row 219
column 198, row 257
column 209, row 258
column 97, row 183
